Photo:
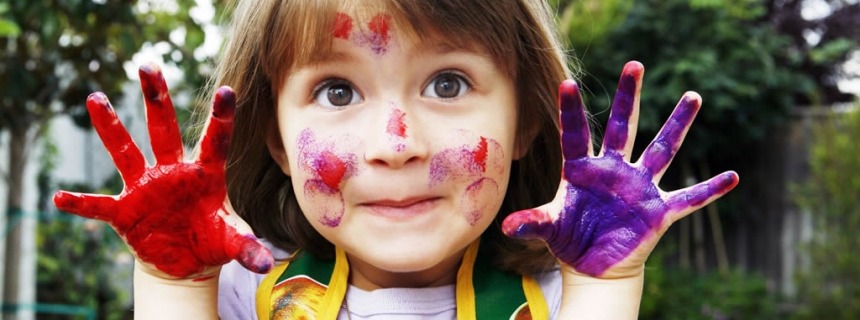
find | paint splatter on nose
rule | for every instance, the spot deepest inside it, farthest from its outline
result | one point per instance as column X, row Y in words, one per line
column 396, row 125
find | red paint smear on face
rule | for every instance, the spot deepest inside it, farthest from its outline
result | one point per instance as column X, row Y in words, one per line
column 380, row 25
column 396, row 126
column 342, row 26
column 331, row 169
column 480, row 154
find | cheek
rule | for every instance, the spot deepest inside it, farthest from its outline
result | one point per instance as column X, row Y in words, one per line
column 323, row 166
column 480, row 198
column 478, row 172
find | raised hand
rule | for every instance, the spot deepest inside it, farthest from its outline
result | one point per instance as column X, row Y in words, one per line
column 173, row 215
column 609, row 213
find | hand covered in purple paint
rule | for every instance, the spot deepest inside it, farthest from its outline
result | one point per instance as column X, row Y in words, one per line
column 609, row 213
column 173, row 215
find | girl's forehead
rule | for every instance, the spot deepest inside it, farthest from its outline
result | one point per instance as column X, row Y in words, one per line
column 382, row 28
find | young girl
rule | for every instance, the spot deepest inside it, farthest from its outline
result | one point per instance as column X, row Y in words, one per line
column 381, row 149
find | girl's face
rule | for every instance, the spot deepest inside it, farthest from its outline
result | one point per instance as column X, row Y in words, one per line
column 399, row 150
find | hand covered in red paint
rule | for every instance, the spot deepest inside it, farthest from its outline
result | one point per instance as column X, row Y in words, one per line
column 173, row 215
column 609, row 213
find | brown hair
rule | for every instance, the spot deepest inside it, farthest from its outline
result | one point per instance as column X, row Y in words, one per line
column 271, row 37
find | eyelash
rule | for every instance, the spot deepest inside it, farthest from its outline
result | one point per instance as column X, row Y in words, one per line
column 326, row 84
column 457, row 74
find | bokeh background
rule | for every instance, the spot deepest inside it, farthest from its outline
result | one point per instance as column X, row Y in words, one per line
column 780, row 81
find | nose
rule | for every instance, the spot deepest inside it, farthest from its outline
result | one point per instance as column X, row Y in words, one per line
column 396, row 138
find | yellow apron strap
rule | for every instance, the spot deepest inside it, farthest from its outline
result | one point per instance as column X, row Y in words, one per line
column 333, row 299
column 535, row 298
column 264, row 291
column 465, row 291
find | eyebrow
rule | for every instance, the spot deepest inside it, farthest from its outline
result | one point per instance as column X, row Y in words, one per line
column 446, row 47
column 332, row 57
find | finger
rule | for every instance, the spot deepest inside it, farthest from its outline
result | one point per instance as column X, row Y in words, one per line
column 254, row 256
column 683, row 202
column 575, row 136
column 243, row 246
column 529, row 224
column 621, row 128
column 160, row 116
column 92, row 206
column 216, row 141
column 659, row 154
column 125, row 154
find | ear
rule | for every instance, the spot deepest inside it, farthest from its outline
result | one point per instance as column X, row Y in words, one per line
column 276, row 148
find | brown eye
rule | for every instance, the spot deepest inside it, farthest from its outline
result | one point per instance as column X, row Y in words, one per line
column 339, row 95
column 336, row 94
column 446, row 86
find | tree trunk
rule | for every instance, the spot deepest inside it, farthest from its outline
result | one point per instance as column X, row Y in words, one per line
column 19, row 274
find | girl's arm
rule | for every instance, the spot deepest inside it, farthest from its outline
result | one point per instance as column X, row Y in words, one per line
column 609, row 213
column 166, row 299
column 174, row 215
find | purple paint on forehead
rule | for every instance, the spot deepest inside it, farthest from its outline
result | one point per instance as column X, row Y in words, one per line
column 378, row 35
column 622, row 109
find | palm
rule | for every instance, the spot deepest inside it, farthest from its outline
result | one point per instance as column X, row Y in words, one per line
column 609, row 213
column 172, row 214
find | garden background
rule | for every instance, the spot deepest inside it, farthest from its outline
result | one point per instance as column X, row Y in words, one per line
column 780, row 81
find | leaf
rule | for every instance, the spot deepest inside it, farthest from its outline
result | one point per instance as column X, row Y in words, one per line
column 9, row 29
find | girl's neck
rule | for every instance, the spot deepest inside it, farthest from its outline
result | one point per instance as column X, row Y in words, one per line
column 368, row 277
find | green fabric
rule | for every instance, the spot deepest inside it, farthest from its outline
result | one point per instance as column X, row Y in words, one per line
column 497, row 294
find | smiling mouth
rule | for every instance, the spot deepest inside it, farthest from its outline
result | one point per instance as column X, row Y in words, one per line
column 399, row 209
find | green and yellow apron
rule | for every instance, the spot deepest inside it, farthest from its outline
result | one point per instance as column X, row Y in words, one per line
column 310, row 288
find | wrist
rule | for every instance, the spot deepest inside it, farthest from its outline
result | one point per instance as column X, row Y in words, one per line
column 588, row 297
column 161, row 298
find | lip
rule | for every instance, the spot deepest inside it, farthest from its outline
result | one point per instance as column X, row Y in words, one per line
column 400, row 209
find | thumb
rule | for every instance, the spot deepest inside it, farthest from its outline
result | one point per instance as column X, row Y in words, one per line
column 244, row 247
column 529, row 224
column 254, row 256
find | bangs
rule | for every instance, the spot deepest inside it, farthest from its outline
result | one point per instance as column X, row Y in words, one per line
column 302, row 32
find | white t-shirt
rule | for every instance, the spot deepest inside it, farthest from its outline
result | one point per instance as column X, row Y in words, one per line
column 237, row 291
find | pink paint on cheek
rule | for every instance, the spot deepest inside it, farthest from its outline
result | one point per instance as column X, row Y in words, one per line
column 342, row 26
column 466, row 162
column 327, row 170
column 479, row 155
column 330, row 169
column 476, row 199
column 327, row 201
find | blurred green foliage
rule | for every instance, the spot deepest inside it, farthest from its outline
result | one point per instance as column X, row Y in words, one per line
column 717, row 48
column 829, row 285
column 676, row 293
column 55, row 54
